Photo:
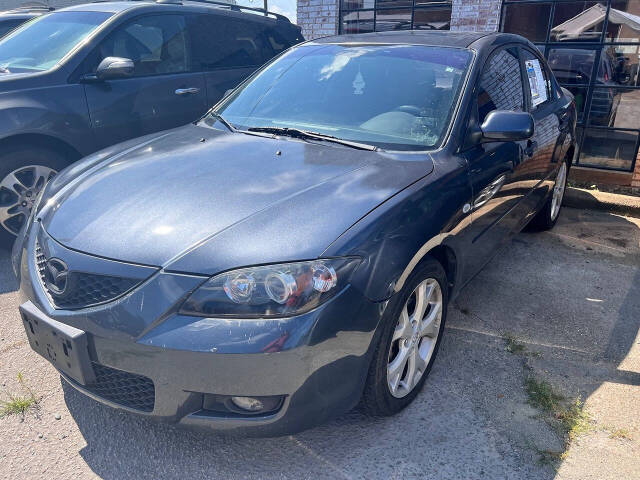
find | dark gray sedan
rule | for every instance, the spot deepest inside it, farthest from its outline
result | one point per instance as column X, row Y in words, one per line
column 293, row 253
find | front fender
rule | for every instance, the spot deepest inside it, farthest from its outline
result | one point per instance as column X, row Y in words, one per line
column 397, row 235
column 59, row 112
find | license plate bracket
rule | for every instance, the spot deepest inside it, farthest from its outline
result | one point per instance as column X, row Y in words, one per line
column 65, row 347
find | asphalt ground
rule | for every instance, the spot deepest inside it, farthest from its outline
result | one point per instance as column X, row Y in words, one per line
column 560, row 307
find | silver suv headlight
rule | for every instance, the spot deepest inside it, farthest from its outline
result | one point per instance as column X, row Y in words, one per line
column 279, row 290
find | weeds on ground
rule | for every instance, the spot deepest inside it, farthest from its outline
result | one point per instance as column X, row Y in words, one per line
column 570, row 419
column 541, row 395
column 515, row 346
column 512, row 345
column 621, row 434
column 574, row 420
column 18, row 404
column 549, row 457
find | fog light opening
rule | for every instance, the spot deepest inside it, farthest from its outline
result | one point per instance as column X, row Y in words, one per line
column 250, row 404
column 241, row 405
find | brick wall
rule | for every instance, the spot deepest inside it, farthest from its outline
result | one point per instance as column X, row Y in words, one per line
column 318, row 18
column 475, row 15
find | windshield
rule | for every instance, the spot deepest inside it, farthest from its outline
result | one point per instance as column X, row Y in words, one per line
column 395, row 97
column 42, row 42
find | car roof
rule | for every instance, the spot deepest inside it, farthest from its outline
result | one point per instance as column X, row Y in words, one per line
column 17, row 16
column 415, row 37
column 123, row 5
column 109, row 7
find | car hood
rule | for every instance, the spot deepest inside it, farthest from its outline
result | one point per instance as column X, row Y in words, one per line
column 199, row 199
column 10, row 80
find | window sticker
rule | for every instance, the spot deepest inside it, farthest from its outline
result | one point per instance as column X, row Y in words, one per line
column 358, row 84
column 536, row 82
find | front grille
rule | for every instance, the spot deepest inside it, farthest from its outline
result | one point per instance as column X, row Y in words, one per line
column 41, row 262
column 83, row 289
column 124, row 388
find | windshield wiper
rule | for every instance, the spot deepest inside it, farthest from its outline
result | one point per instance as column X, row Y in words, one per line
column 306, row 134
column 221, row 119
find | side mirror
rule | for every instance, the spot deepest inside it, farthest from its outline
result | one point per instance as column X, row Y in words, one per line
column 507, row 126
column 112, row 68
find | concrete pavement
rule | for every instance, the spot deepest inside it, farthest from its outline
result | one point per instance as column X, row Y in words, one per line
column 571, row 297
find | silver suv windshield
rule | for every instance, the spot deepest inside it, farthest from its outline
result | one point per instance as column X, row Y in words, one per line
column 41, row 43
column 394, row 97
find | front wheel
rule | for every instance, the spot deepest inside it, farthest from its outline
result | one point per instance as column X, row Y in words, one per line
column 411, row 333
column 546, row 218
column 23, row 173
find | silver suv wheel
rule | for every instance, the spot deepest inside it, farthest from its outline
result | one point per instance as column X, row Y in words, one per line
column 18, row 192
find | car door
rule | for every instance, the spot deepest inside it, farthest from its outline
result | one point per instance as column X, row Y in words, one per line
column 163, row 91
column 543, row 106
column 496, row 169
column 227, row 50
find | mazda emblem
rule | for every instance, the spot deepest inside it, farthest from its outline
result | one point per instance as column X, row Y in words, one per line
column 55, row 275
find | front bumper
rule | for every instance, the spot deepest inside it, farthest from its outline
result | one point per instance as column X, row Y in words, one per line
column 318, row 361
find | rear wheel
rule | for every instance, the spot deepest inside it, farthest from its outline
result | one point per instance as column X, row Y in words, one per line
column 548, row 216
column 23, row 173
column 411, row 335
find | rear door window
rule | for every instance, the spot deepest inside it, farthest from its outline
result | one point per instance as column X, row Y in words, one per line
column 222, row 42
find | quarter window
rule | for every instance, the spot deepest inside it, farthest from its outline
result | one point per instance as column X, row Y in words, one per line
column 500, row 85
column 538, row 80
column 156, row 44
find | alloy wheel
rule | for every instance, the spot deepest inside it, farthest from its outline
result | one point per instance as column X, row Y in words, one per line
column 18, row 192
column 558, row 191
column 414, row 338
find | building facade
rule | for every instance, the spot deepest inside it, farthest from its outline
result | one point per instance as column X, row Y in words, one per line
column 592, row 46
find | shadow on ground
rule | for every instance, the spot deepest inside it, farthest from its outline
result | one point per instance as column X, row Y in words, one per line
column 8, row 282
column 571, row 296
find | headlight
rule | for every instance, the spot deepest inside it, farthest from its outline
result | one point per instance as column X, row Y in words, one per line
column 280, row 290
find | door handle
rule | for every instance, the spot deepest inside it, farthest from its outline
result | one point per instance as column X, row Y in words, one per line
column 187, row 91
column 530, row 149
column 488, row 192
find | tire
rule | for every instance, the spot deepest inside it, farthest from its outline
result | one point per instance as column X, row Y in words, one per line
column 547, row 217
column 378, row 398
column 31, row 167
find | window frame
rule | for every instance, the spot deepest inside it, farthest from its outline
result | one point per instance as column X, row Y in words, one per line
column 377, row 7
column 91, row 57
column 477, row 87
